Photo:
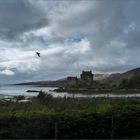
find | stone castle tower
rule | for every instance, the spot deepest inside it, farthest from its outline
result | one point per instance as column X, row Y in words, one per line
column 86, row 76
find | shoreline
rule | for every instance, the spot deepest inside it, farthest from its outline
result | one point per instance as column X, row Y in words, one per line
column 97, row 91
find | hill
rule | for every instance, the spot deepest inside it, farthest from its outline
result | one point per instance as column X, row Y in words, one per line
column 127, row 79
column 57, row 83
column 125, row 75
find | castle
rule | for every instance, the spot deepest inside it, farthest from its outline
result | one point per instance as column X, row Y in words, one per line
column 72, row 81
column 85, row 76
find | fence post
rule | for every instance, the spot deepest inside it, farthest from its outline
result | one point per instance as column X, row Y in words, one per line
column 55, row 131
column 112, row 127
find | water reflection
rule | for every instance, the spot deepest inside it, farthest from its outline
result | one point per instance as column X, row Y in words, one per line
column 21, row 90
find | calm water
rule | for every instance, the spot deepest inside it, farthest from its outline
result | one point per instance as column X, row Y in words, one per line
column 21, row 90
column 13, row 90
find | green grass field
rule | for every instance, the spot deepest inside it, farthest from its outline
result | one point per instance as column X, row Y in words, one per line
column 48, row 117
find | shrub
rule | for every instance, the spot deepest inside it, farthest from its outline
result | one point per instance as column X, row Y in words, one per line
column 20, row 97
column 41, row 95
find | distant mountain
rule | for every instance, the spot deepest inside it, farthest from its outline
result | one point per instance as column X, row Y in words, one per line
column 125, row 75
column 60, row 82
column 105, row 78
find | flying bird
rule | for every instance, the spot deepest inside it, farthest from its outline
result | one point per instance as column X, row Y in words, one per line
column 38, row 54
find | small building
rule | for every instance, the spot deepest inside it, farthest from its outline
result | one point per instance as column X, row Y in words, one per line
column 86, row 76
column 72, row 81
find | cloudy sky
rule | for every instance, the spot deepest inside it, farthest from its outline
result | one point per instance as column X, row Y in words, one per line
column 71, row 35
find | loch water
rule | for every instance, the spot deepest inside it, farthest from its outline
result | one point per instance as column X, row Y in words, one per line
column 15, row 90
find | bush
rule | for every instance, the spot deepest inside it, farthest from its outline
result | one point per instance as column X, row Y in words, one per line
column 41, row 95
column 20, row 97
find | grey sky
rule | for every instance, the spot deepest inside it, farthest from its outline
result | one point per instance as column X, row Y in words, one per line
column 98, row 35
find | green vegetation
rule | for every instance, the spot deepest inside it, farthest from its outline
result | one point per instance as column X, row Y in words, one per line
column 126, row 85
column 48, row 117
column 100, row 90
column 131, row 83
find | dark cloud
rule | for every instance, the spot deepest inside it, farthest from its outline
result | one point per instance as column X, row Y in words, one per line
column 19, row 16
